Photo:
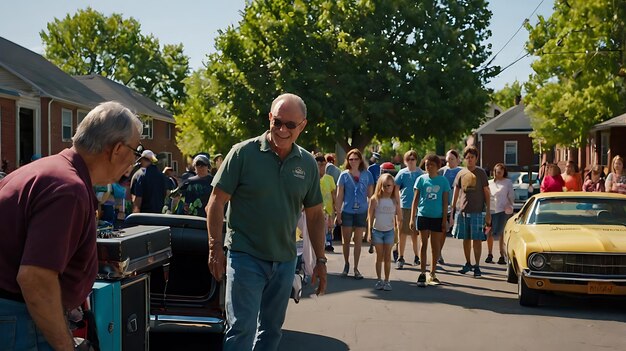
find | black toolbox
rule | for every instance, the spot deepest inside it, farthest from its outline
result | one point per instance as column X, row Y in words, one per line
column 133, row 250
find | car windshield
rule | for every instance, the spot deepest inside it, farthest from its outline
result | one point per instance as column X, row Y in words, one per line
column 525, row 177
column 579, row 211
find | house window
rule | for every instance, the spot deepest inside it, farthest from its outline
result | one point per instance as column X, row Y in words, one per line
column 147, row 128
column 604, row 149
column 175, row 166
column 168, row 131
column 80, row 115
column 510, row 153
column 165, row 159
column 66, row 125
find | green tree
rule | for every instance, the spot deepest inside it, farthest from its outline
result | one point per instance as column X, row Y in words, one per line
column 388, row 68
column 90, row 43
column 505, row 97
column 576, row 82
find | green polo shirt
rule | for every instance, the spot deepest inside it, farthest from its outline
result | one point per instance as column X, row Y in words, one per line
column 267, row 196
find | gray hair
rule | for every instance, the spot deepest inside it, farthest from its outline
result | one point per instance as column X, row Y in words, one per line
column 289, row 96
column 106, row 125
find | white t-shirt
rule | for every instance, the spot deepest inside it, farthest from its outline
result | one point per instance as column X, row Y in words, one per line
column 383, row 214
column 501, row 194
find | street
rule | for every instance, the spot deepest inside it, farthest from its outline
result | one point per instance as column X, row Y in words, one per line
column 462, row 313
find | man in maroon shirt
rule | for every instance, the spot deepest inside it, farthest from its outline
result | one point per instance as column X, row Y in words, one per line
column 48, row 253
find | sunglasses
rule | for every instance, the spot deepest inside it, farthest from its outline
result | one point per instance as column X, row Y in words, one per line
column 137, row 151
column 277, row 123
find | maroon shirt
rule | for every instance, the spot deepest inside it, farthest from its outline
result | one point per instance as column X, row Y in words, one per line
column 48, row 210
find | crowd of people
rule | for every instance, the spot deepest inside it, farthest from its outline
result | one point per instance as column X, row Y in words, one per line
column 595, row 180
column 267, row 183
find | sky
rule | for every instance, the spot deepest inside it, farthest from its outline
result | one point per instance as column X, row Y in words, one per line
column 195, row 24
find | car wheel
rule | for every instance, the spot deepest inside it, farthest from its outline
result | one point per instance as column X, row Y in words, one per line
column 527, row 296
column 511, row 277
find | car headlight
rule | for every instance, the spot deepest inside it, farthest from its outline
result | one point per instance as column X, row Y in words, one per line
column 556, row 262
column 537, row 261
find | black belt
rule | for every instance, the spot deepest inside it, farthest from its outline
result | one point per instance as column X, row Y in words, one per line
column 11, row 296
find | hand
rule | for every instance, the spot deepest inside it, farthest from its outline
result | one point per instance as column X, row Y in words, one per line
column 369, row 238
column 319, row 272
column 412, row 224
column 217, row 263
column 444, row 225
column 338, row 219
column 451, row 221
column 488, row 219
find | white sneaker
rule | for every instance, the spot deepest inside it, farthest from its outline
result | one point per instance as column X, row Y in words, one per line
column 379, row 285
column 387, row 286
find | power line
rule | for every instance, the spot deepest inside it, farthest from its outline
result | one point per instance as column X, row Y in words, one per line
column 513, row 36
column 512, row 63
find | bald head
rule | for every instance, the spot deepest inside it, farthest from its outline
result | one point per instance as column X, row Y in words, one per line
column 291, row 98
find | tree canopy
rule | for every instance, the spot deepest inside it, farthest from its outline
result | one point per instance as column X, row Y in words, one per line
column 90, row 43
column 505, row 97
column 576, row 82
column 386, row 68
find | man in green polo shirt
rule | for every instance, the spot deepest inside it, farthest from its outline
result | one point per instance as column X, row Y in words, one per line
column 266, row 181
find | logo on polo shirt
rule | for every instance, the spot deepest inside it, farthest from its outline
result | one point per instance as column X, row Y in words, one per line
column 299, row 173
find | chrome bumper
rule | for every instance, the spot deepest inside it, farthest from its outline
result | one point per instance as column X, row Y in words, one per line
column 574, row 276
column 170, row 323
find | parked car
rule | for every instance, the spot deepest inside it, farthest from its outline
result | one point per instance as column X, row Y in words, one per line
column 570, row 242
column 522, row 187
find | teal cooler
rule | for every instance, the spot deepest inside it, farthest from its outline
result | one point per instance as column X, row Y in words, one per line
column 121, row 310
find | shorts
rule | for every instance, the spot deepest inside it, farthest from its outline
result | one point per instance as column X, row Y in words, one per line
column 469, row 226
column 428, row 223
column 354, row 220
column 406, row 221
column 379, row 237
column 498, row 221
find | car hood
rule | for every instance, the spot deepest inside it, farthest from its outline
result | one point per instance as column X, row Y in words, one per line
column 579, row 238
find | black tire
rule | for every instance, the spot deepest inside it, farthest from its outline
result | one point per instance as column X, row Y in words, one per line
column 527, row 296
column 511, row 277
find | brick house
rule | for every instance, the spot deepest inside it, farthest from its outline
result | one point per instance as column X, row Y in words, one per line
column 505, row 138
column 159, row 130
column 40, row 107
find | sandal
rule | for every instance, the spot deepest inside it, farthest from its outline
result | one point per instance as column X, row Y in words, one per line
column 357, row 274
column 346, row 268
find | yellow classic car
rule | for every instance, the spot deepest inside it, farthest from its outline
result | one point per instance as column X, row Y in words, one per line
column 570, row 242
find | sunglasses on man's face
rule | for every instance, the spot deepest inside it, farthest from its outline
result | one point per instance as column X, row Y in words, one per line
column 277, row 123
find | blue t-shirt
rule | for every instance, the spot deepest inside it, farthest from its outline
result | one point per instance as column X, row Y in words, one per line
column 449, row 173
column 374, row 168
column 406, row 180
column 431, row 194
column 355, row 193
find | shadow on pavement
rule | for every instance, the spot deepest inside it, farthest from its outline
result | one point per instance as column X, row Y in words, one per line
column 295, row 340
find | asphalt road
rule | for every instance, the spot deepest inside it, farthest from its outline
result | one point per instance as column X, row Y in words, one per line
column 463, row 313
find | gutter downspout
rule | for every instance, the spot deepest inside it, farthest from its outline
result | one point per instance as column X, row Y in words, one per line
column 480, row 140
column 49, row 127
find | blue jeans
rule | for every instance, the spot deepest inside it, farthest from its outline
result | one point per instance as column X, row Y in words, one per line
column 257, row 295
column 18, row 330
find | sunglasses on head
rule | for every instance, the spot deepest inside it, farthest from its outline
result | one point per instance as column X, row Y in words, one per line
column 290, row 125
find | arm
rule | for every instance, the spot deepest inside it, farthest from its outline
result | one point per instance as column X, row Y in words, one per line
column 487, row 205
column 416, row 196
column 215, row 223
column 444, row 211
column 608, row 183
column 42, row 294
column 315, row 224
column 455, row 197
column 371, row 211
column 338, row 204
column 136, row 204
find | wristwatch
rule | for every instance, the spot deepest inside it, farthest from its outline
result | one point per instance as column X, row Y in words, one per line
column 322, row 260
